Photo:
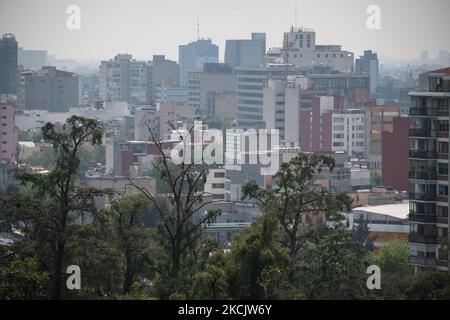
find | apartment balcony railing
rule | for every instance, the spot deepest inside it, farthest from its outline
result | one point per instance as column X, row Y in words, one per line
column 420, row 238
column 423, row 111
column 423, row 175
column 422, row 196
column 422, row 261
column 420, row 217
column 422, row 132
column 422, row 154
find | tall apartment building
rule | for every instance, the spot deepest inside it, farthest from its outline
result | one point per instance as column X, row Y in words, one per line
column 203, row 85
column 368, row 64
column 246, row 52
column 316, row 123
column 123, row 79
column 161, row 72
column 192, row 56
column 350, row 131
column 32, row 59
column 8, row 64
column 301, row 50
column 428, row 177
column 250, row 92
column 9, row 133
column 49, row 89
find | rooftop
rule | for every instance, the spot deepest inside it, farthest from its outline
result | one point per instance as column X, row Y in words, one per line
column 398, row 210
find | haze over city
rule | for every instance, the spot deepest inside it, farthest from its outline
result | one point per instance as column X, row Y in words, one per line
column 144, row 28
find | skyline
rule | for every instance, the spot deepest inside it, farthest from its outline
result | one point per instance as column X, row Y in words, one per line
column 341, row 24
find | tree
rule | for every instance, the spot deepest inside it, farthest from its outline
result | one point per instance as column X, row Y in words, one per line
column 295, row 197
column 50, row 210
column 396, row 272
column 257, row 263
column 179, row 210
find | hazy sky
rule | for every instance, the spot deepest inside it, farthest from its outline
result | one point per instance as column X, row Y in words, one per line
column 147, row 27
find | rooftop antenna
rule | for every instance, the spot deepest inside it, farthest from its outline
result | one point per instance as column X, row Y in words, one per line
column 198, row 28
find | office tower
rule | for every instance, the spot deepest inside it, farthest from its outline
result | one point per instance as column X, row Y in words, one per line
column 8, row 64
column 9, row 132
column 246, row 53
column 281, row 108
column 203, row 85
column 428, row 176
column 123, row 79
column 32, row 59
column 192, row 56
column 161, row 72
column 49, row 89
column 250, row 92
column 444, row 58
column 301, row 50
column 424, row 57
column 368, row 64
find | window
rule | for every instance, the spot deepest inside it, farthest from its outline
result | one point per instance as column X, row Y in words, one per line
column 443, row 147
column 218, row 185
column 443, row 190
column 443, row 168
column 219, row 174
column 443, row 126
column 442, row 211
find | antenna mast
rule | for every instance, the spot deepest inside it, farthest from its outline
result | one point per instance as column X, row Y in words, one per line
column 198, row 28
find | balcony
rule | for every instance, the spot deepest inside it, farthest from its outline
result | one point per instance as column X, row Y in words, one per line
column 423, row 175
column 422, row 154
column 422, row 196
column 422, row 132
column 422, row 261
column 430, row 112
column 423, row 218
column 420, row 238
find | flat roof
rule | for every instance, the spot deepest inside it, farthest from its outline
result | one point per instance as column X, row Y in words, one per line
column 397, row 210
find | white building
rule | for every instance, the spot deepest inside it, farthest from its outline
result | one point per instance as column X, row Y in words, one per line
column 123, row 79
column 301, row 50
column 349, row 131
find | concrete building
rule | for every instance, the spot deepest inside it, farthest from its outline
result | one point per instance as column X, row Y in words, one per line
column 172, row 94
column 429, row 152
column 316, row 123
column 301, row 50
column 203, row 85
column 381, row 120
column 368, row 64
column 250, row 92
column 395, row 155
column 9, row 137
column 161, row 72
column 123, row 79
column 350, row 132
column 192, row 56
column 215, row 183
column 32, row 59
column 49, row 89
column 246, row 53
column 8, row 64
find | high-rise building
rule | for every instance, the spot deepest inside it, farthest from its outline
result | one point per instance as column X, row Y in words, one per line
column 444, row 58
column 349, row 131
column 203, row 85
column 250, row 92
column 428, row 176
column 49, row 89
column 9, row 137
column 32, row 59
column 8, row 64
column 161, row 72
column 424, row 58
column 123, row 79
column 301, row 50
column 368, row 64
column 247, row 52
column 192, row 56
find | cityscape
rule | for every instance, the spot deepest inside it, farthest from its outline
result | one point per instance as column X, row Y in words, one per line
column 265, row 166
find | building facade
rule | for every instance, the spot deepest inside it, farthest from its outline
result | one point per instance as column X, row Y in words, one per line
column 8, row 64
column 246, row 52
column 9, row 132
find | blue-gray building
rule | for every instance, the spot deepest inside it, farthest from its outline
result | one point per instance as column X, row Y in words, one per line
column 246, row 52
column 192, row 56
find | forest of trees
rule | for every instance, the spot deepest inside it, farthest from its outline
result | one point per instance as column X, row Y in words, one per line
column 147, row 246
